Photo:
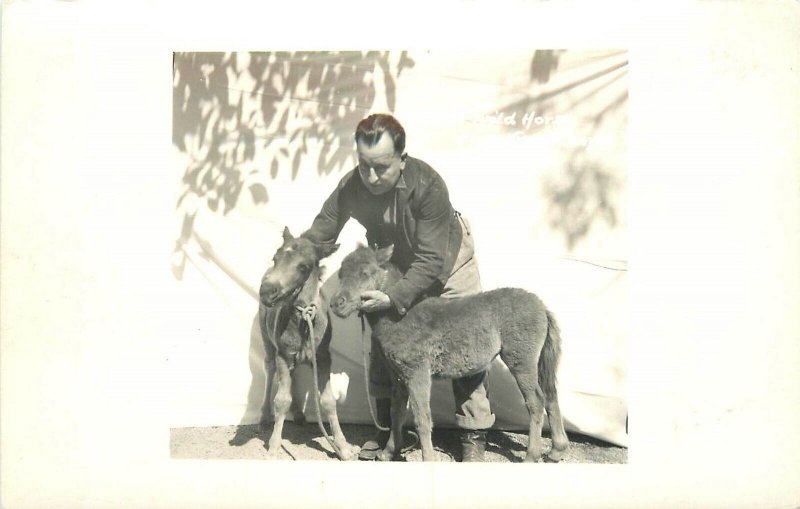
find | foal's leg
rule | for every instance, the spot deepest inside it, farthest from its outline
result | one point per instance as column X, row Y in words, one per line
column 419, row 389
column 271, row 378
column 398, row 412
column 283, row 400
column 559, row 436
column 534, row 400
column 327, row 401
column 526, row 373
column 270, row 353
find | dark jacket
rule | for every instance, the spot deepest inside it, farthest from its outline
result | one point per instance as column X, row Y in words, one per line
column 425, row 232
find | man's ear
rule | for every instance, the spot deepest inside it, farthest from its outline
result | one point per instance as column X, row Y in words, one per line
column 287, row 236
column 325, row 249
column 384, row 254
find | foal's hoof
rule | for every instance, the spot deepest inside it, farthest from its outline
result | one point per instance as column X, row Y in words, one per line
column 349, row 452
column 555, row 455
column 272, row 454
column 384, row 455
column 532, row 458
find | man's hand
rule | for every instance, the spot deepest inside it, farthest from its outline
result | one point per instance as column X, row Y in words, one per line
column 374, row 300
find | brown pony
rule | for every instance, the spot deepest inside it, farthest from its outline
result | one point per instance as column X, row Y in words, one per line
column 289, row 295
column 452, row 338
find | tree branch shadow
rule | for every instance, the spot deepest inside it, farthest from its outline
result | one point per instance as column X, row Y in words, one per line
column 244, row 118
column 585, row 193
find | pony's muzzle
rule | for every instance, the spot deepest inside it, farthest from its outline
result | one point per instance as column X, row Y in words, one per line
column 268, row 293
column 339, row 305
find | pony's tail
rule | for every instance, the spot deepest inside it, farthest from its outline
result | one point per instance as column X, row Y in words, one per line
column 549, row 358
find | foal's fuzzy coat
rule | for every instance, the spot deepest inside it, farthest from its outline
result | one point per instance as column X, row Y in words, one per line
column 452, row 338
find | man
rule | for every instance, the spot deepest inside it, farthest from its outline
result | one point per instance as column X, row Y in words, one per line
column 401, row 200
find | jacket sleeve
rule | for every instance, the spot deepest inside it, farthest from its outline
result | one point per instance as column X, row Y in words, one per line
column 431, row 242
column 331, row 219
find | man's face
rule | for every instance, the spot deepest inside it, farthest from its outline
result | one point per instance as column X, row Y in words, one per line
column 378, row 166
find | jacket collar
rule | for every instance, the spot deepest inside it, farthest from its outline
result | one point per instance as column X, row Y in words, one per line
column 405, row 186
column 409, row 178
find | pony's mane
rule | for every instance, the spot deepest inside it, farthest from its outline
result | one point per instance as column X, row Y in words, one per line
column 361, row 255
column 364, row 255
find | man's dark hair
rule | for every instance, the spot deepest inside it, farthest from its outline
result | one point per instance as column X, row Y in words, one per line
column 370, row 130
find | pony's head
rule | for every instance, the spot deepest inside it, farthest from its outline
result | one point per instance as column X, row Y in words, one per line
column 294, row 262
column 362, row 270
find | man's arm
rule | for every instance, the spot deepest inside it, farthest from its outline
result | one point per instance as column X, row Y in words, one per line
column 432, row 237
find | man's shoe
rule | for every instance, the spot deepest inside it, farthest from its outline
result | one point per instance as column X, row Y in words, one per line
column 473, row 445
column 369, row 451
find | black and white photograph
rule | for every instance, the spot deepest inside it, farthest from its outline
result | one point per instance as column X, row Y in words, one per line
column 436, row 255
column 506, row 178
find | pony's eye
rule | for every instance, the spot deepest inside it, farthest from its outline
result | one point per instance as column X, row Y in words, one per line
column 365, row 273
column 305, row 268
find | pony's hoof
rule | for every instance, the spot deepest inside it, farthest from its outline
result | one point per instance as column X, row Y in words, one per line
column 555, row 455
column 384, row 455
column 532, row 458
column 272, row 454
column 349, row 452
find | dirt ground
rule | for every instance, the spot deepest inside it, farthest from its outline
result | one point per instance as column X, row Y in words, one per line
column 305, row 442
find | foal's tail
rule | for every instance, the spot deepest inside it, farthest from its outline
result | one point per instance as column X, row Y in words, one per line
column 548, row 359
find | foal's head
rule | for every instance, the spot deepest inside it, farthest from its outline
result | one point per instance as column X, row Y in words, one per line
column 293, row 264
column 362, row 270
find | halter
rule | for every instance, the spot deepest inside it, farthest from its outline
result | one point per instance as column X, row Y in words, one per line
column 308, row 313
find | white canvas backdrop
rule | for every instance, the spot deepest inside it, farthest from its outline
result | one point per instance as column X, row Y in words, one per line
column 85, row 194
column 532, row 146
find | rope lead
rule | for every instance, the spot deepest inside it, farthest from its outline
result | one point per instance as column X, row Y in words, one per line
column 308, row 314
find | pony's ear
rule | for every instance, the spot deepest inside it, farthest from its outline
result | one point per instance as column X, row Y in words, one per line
column 325, row 249
column 287, row 236
column 384, row 254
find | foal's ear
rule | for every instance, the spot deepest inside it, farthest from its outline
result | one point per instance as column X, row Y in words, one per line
column 287, row 236
column 384, row 254
column 325, row 249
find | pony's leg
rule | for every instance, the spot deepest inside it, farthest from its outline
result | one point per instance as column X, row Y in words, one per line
column 534, row 400
column 346, row 450
column 283, row 400
column 271, row 377
column 270, row 353
column 548, row 365
column 419, row 389
column 398, row 412
column 559, row 436
column 327, row 401
column 527, row 377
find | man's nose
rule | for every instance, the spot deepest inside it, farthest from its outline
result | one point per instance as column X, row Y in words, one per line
column 373, row 177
